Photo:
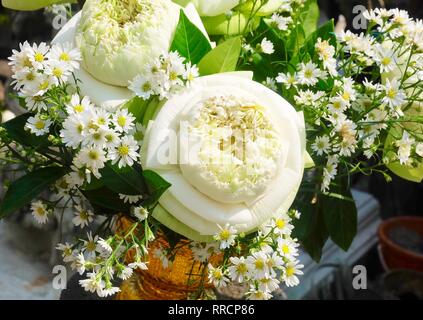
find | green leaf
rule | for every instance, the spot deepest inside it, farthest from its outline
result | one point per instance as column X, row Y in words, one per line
column 156, row 187
column 189, row 41
column 16, row 131
column 137, row 107
column 223, row 58
column 312, row 17
column 105, row 201
column 295, row 40
column 126, row 180
column 310, row 229
column 93, row 185
column 28, row 187
column 340, row 214
column 152, row 110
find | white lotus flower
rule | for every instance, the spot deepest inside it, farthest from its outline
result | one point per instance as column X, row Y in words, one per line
column 101, row 92
column 233, row 151
column 113, row 35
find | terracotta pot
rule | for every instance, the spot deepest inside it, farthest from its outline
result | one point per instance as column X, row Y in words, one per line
column 395, row 256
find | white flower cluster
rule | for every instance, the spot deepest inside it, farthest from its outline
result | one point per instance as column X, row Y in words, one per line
column 43, row 75
column 408, row 149
column 164, row 76
column 354, row 113
column 101, row 260
column 38, row 68
column 99, row 136
column 270, row 258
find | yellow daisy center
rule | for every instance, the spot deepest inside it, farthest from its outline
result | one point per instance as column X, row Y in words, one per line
column 225, row 234
column 93, row 155
column 64, row 57
column 121, row 121
column 259, row 264
column 290, row 271
column 40, row 125
column 280, row 223
column 39, row 57
column 78, row 108
column 123, row 150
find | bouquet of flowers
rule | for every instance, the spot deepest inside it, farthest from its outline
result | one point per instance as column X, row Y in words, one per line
column 234, row 125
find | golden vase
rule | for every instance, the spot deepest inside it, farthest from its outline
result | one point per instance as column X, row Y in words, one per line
column 183, row 278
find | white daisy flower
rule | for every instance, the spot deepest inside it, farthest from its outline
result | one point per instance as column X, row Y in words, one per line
column 38, row 126
column 282, row 224
column 138, row 265
column 80, row 264
column 131, row 199
column 20, row 59
column 123, row 121
column 217, row 276
column 36, row 103
column 67, row 251
column 112, row 139
column 290, row 272
column 73, row 132
column 238, row 271
column 280, row 21
column 92, row 158
column 93, row 283
column 255, row 294
column 78, row 105
column 142, row 86
column 108, row 291
column 101, row 118
column 321, row 145
column 96, row 137
column 191, row 72
column 288, row 248
column 267, row 46
column 310, row 74
column 257, row 264
column 43, row 83
column 140, row 213
column 404, row 147
column 394, row 96
column 25, row 77
column 83, row 217
column 268, row 284
column 226, row 236
column 65, row 53
column 287, row 79
column 337, row 105
column 125, row 273
column 271, row 83
column 386, row 59
column 103, row 248
column 38, row 55
column 39, row 212
column 125, row 153
column 90, row 244
column 58, row 70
